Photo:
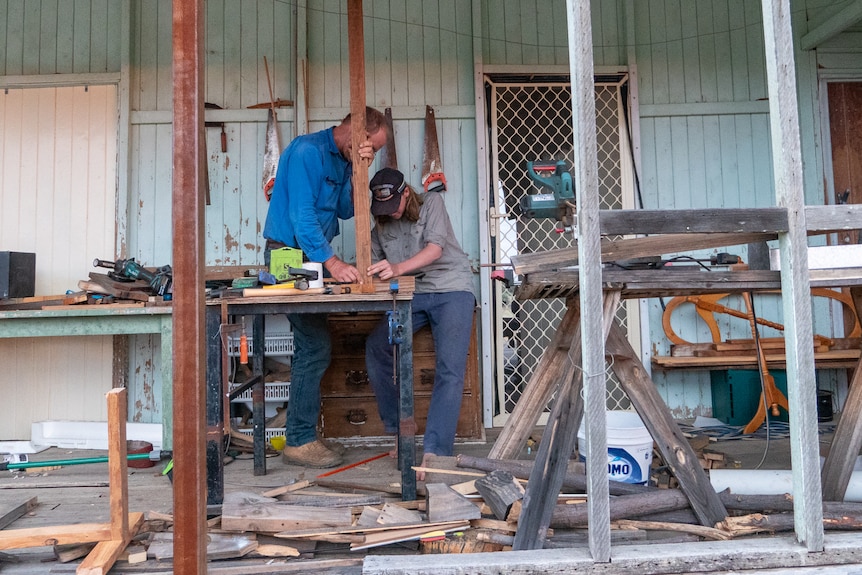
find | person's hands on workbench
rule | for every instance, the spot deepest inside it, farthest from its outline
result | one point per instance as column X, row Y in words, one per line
column 341, row 271
column 383, row 269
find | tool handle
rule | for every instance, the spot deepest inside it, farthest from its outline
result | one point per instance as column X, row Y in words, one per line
column 243, row 348
column 103, row 264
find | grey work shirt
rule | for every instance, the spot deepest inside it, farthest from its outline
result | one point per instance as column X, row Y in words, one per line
column 399, row 240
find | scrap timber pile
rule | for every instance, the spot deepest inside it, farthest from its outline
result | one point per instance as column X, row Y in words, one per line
column 471, row 505
column 98, row 289
column 467, row 504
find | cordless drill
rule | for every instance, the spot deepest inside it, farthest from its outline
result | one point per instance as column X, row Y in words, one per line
column 130, row 270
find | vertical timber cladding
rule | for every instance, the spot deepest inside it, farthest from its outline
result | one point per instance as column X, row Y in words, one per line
column 531, row 119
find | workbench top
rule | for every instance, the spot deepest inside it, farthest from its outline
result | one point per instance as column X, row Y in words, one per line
column 673, row 281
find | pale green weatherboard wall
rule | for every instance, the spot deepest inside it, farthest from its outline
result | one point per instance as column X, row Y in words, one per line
column 701, row 83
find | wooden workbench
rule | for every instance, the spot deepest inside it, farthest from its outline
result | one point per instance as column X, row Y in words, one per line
column 558, row 372
column 218, row 312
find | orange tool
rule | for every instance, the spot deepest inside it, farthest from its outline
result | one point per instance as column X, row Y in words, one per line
column 770, row 396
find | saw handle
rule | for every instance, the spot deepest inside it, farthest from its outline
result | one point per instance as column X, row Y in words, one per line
column 437, row 178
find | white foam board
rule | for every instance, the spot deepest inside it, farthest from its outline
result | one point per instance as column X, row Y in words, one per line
column 21, row 447
column 89, row 434
column 824, row 257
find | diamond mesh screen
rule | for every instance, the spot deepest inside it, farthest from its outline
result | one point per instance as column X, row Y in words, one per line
column 533, row 121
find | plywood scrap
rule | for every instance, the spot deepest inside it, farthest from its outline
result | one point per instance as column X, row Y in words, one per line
column 242, row 511
column 10, row 513
column 445, row 504
column 219, row 545
column 500, row 490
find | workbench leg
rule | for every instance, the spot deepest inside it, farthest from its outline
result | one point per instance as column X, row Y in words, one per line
column 258, row 392
column 553, row 367
column 847, row 439
column 167, row 354
column 675, row 449
column 558, row 440
column 407, row 422
column 552, row 457
column 214, row 406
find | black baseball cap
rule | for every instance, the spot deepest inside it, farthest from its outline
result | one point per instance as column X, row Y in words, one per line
column 387, row 185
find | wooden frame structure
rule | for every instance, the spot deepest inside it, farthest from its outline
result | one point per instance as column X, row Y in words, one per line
column 111, row 538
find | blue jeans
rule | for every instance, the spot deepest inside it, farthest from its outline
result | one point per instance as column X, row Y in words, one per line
column 450, row 316
column 312, row 348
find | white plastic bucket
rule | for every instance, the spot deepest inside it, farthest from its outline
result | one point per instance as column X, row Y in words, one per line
column 629, row 447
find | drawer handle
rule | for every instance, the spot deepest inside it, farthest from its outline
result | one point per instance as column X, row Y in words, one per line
column 357, row 417
column 356, row 377
column 426, row 377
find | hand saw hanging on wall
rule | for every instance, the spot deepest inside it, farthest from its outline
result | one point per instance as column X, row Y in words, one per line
column 390, row 156
column 433, row 179
column 272, row 145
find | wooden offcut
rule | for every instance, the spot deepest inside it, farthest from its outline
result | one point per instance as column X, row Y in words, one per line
column 249, row 512
column 500, row 490
column 8, row 514
column 446, row 504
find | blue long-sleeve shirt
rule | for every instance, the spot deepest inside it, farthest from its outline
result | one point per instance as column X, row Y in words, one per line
column 312, row 191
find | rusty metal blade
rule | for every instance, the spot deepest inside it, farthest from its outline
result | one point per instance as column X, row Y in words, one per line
column 272, row 152
column 432, row 168
column 391, row 157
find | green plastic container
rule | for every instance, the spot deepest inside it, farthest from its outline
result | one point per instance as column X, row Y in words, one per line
column 736, row 392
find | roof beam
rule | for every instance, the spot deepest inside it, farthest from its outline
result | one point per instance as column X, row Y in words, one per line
column 840, row 21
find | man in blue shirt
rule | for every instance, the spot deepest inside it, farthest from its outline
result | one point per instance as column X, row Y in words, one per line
column 312, row 191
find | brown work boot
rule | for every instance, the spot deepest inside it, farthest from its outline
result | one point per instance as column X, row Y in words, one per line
column 312, row 454
column 333, row 446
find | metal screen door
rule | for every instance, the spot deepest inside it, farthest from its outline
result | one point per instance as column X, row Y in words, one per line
column 533, row 121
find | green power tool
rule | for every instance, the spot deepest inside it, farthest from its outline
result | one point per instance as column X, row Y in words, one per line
column 560, row 203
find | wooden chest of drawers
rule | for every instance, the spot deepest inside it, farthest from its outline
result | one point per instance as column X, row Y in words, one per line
column 349, row 406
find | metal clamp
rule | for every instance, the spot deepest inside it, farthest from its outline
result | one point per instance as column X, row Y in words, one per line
column 396, row 329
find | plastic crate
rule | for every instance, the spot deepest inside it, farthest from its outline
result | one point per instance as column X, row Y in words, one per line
column 276, row 344
column 276, row 391
column 274, row 394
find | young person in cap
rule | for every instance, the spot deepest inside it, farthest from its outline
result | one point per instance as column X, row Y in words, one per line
column 312, row 191
column 413, row 236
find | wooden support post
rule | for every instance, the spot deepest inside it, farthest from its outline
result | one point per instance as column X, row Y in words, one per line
column 556, row 447
column 675, row 449
column 553, row 368
column 118, row 463
column 361, row 201
column 847, row 439
column 189, row 298
column 795, row 284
